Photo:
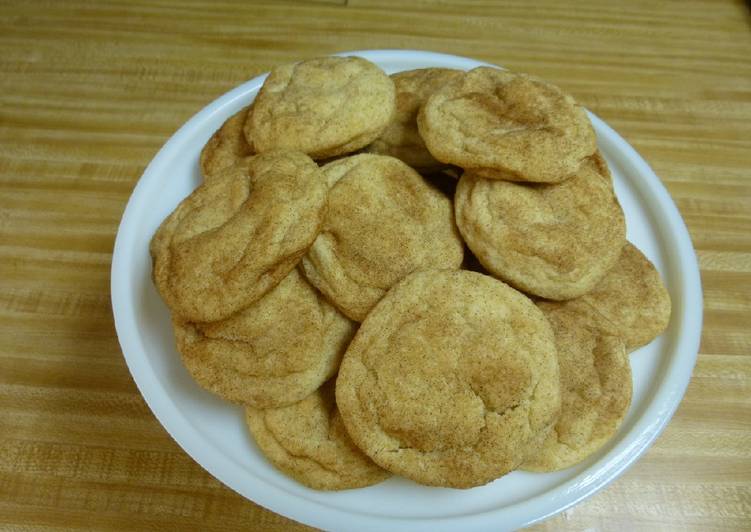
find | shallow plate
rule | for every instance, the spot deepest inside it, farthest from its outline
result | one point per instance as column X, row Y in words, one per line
column 214, row 434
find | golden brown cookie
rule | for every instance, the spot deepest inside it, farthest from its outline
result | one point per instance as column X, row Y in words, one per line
column 551, row 240
column 307, row 441
column 451, row 379
column 324, row 107
column 401, row 138
column 595, row 389
column 226, row 148
column 508, row 126
column 232, row 240
column 630, row 301
column 383, row 222
column 276, row 352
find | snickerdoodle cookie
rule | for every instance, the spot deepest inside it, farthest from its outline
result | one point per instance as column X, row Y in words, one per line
column 504, row 125
column 227, row 147
column 275, row 352
column 307, row 440
column 451, row 380
column 383, row 222
column 595, row 389
column 401, row 138
column 232, row 240
column 630, row 301
column 551, row 240
column 324, row 107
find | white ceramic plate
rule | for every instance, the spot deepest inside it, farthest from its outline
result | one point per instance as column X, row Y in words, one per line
column 214, row 434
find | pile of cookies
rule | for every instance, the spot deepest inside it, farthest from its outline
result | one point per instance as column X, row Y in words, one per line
column 425, row 274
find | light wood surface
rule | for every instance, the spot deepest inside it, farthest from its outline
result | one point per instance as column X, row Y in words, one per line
column 89, row 91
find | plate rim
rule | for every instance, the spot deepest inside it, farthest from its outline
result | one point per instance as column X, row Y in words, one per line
column 662, row 406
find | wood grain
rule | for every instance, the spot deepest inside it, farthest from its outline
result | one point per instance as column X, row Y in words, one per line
column 89, row 91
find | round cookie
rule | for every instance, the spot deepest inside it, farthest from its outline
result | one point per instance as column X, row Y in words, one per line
column 551, row 240
column 401, row 139
column 227, row 147
column 508, row 126
column 275, row 352
column 630, row 300
column 232, row 240
column 307, row 441
column 451, row 380
column 324, row 107
column 596, row 389
column 383, row 222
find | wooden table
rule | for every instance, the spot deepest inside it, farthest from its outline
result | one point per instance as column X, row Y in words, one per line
column 89, row 91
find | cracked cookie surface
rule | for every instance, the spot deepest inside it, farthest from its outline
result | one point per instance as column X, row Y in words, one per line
column 551, row 240
column 275, row 352
column 596, row 389
column 233, row 239
column 324, row 107
column 450, row 380
column 507, row 126
column 307, row 441
column 383, row 222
